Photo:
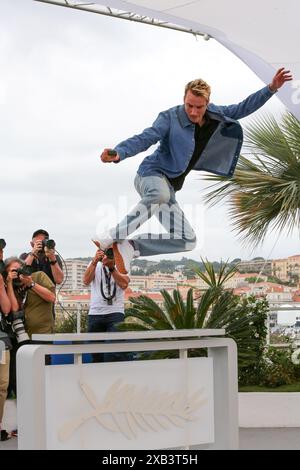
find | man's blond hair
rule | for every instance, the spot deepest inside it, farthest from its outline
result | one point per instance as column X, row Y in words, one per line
column 199, row 88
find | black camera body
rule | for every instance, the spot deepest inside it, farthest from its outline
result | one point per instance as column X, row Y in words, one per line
column 50, row 244
column 47, row 243
column 109, row 253
column 25, row 270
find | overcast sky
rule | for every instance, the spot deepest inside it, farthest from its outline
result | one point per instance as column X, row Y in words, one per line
column 73, row 83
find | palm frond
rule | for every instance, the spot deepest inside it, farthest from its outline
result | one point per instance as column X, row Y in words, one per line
column 146, row 305
column 204, row 305
column 264, row 193
column 190, row 311
column 210, row 277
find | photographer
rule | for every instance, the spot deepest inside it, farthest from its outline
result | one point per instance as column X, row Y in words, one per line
column 42, row 257
column 5, row 357
column 34, row 294
column 107, row 298
column 32, row 297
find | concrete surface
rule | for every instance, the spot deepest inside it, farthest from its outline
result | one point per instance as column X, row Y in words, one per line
column 250, row 439
column 283, row 438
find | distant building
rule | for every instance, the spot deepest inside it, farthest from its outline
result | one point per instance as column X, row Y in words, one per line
column 256, row 266
column 277, row 294
column 272, row 290
column 197, row 284
column 240, row 279
column 242, row 291
column 156, row 282
column 74, row 272
column 75, row 301
column 70, row 304
column 287, row 269
column 156, row 296
column 280, row 269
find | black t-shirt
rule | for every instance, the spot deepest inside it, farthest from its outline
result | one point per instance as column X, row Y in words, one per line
column 42, row 264
column 202, row 136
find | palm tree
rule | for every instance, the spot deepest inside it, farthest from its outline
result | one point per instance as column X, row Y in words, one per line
column 244, row 320
column 264, row 192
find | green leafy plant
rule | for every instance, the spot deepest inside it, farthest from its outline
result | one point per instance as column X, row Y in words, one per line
column 264, row 192
column 243, row 319
column 67, row 323
column 278, row 368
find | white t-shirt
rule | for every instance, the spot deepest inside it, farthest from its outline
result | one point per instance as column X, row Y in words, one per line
column 98, row 305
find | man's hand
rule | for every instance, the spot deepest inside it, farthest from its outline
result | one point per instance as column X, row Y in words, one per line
column 108, row 262
column 37, row 247
column 98, row 257
column 50, row 253
column 106, row 158
column 280, row 78
column 26, row 280
column 11, row 275
column 1, row 281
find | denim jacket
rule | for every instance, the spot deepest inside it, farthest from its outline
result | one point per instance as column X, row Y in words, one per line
column 175, row 134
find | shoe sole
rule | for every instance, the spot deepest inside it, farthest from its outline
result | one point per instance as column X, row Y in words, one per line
column 120, row 265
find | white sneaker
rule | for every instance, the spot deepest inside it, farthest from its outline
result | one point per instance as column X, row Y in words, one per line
column 123, row 254
column 103, row 241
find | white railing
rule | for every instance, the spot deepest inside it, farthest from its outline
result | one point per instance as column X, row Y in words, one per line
column 71, row 416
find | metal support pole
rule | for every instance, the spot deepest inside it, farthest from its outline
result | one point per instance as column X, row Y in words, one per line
column 78, row 316
column 124, row 15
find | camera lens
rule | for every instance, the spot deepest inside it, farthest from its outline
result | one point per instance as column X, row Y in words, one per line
column 19, row 329
column 26, row 270
column 50, row 244
column 2, row 243
column 109, row 253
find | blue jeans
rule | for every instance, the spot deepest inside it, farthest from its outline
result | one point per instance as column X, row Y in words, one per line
column 107, row 323
column 157, row 198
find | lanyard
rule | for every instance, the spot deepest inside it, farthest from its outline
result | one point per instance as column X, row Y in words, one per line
column 109, row 297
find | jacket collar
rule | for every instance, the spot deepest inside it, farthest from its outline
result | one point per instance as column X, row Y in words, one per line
column 183, row 117
column 185, row 122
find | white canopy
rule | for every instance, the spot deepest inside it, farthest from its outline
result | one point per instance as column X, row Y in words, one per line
column 264, row 34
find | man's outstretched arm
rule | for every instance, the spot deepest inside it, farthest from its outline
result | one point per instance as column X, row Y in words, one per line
column 141, row 142
column 255, row 101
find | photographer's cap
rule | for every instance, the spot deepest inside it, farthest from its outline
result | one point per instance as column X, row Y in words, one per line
column 40, row 232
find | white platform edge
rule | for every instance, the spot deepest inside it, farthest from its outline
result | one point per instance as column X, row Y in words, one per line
column 133, row 335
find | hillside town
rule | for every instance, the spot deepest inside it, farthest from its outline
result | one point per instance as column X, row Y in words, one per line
column 277, row 280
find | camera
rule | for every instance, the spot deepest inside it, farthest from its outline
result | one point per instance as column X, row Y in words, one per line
column 25, row 270
column 47, row 242
column 16, row 319
column 109, row 253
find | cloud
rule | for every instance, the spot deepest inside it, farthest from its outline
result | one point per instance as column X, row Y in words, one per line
column 73, row 83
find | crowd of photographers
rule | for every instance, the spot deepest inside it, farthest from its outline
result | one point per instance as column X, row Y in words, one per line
column 27, row 299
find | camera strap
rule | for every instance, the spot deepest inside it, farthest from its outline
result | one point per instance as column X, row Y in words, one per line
column 109, row 297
